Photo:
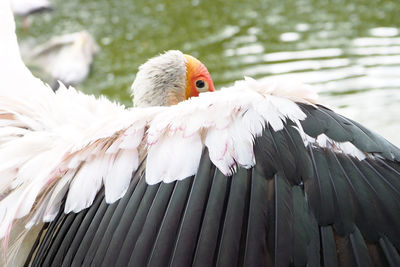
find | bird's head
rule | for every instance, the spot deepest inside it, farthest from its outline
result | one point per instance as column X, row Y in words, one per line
column 169, row 79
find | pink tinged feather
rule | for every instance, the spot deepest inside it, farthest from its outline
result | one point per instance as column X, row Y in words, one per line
column 243, row 131
column 158, row 127
column 76, row 159
column 194, row 124
column 173, row 158
column 253, row 122
column 7, row 177
column 85, row 185
column 33, row 169
column 18, row 151
column 270, row 114
column 115, row 146
column 7, row 214
column 220, row 149
column 119, row 174
column 35, row 176
column 39, row 213
column 234, row 145
column 288, row 108
column 132, row 138
column 57, row 195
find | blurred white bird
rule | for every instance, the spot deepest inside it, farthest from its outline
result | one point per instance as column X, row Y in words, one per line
column 66, row 58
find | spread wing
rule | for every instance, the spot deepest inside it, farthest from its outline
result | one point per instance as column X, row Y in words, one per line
column 281, row 180
column 322, row 193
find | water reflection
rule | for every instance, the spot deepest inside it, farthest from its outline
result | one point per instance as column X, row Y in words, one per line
column 289, row 37
column 350, row 51
column 384, row 32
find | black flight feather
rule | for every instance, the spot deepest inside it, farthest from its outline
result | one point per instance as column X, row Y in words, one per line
column 284, row 155
column 190, row 226
column 392, row 255
column 146, row 239
column 82, row 232
column 365, row 200
column 331, row 126
column 115, row 219
column 388, row 213
column 209, row 237
column 162, row 250
column 90, row 231
column 136, row 226
column 284, row 219
column 265, row 154
column 257, row 224
column 228, row 252
column 57, row 241
column 303, row 163
column 68, row 239
column 319, row 188
column 329, row 257
column 344, row 202
column 360, row 250
column 45, row 244
column 91, row 252
column 121, row 225
column 306, row 243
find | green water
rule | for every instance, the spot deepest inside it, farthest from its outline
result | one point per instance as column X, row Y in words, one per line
column 337, row 45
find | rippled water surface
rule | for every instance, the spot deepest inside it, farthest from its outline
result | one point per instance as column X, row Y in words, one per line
column 350, row 50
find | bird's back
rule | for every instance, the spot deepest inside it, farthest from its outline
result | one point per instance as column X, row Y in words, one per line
column 301, row 204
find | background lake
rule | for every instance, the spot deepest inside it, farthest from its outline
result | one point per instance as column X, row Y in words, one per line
column 350, row 50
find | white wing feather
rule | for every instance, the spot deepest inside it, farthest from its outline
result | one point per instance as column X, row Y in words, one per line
column 118, row 176
column 173, row 157
column 85, row 185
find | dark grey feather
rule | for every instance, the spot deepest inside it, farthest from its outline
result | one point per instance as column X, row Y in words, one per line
column 119, row 226
column 136, row 226
column 306, row 243
column 284, row 222
column 162, row 250
column 360, row 250
column 392, row 255
column 329, row 257
column 145, row 242
column 190, row 226
column 257, row 225
column 235, row 218
column 214, row 216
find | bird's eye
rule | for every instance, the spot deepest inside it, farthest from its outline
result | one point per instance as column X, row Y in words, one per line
column 201, row 85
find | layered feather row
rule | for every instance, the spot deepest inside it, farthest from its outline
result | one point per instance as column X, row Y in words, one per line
column 70, row 144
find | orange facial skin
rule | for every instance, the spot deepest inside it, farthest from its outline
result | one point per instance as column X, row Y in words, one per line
column 197, row 73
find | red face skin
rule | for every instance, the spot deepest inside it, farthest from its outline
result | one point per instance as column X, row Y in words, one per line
column 198, row 79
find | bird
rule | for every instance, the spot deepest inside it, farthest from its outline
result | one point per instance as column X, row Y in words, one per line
column 256, row 174
column 66, row 58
